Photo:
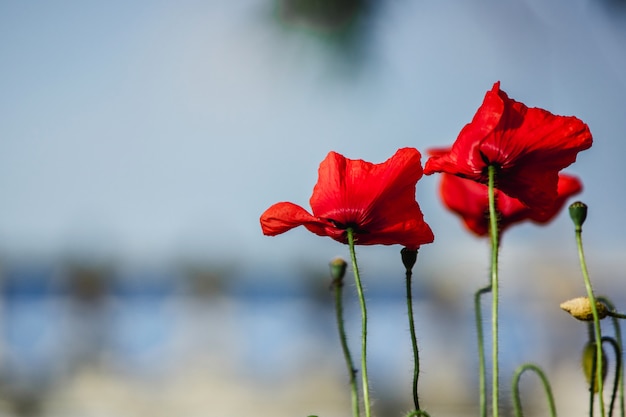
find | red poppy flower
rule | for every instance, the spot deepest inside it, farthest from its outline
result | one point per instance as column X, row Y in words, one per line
column 377, row 201
column 470, row 201
column 527, row 146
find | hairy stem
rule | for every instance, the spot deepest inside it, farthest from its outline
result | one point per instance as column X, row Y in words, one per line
column 596, row 321
column 338, row 290
column 494, row 232
column 482, row 371
column 416, row 359
column 359, row 288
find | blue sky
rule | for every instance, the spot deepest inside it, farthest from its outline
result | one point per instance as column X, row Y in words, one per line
column 154, row 130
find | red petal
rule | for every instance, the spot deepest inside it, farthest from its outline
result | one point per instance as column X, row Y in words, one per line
column 378, row 200
column 568, row 186
column 529, row 146
column 284, row 216
column 349, row 190
column 470, row 201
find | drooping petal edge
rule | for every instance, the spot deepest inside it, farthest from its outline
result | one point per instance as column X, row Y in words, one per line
column 284, row 216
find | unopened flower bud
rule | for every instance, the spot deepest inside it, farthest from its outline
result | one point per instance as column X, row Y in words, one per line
column 578, row 213
column 588, row 361
column 580, row 308
column 409, row 257
column 338, row 268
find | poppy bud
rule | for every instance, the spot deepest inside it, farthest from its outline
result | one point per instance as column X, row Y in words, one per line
column 588, row 361
column 338, row 268
column 409, row 257
column 578, row 213
column 580, row 308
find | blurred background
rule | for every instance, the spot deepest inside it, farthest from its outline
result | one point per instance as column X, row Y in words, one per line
column 140, row 142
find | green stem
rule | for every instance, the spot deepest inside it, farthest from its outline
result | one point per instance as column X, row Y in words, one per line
column 494, row 232
column 596, row 320
column 618, row 337
column 359, row 288
column 517, row 402
column 416, row 359
column 338, row 287
column 482, row 372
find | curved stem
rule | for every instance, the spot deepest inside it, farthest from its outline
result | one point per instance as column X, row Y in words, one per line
column 617, row 329
column 494, row 232
column 416, row 359
column 338, row 287
column 517, row 403
column 618, row 366
column 592, row 385
column 482, row 373
column 596, row 320
column 359, row 288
